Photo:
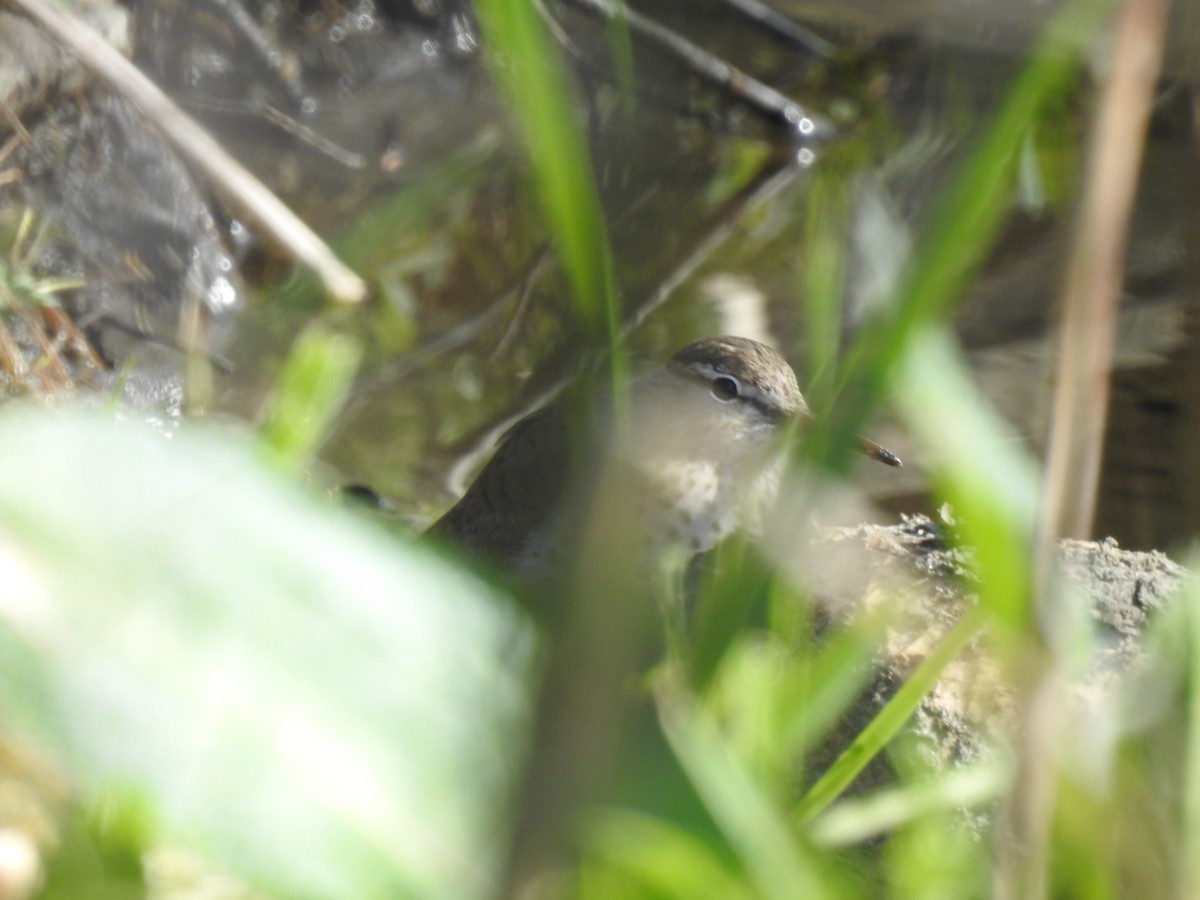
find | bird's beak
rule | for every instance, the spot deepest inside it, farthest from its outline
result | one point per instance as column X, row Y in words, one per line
column 882, row 454
column 865, row 447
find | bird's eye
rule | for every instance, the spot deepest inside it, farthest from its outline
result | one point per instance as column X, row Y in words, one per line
column 725, row 388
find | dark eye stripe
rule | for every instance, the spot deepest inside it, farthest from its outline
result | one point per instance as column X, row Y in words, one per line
column 774, row 413
column 748, row 394
column 769, row 411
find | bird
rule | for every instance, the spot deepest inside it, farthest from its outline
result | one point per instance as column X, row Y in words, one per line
column 699, row 456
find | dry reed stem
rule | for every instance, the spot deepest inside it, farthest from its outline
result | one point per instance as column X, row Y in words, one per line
column 1087, row 329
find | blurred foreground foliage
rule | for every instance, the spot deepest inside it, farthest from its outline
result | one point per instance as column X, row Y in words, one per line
column 211, row 655
column 195, row 651
column 719, row 798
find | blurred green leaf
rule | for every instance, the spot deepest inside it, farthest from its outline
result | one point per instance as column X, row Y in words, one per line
column 776, row 860
column 620, row 48
column 309, row 392
column 860, row 819
column 670, row 861
column 324, row 710
column 978, row 465
column 733, row 585
column 938, row 857
column 827, row 219
column 775, row 702
column 1188, row 607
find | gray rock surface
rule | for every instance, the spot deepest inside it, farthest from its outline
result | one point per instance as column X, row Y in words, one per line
column 929, row 582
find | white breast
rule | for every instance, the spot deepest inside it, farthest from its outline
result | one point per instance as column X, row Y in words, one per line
column 687, row 504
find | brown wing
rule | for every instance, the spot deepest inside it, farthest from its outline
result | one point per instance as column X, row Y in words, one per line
column 517, row 494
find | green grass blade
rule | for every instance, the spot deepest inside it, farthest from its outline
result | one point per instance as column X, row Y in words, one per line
column 889, row 720
column 962, row 227
column 978, row 465
column 1190, row 839
column 857, row 820
column 309, row 393
column 533, row 82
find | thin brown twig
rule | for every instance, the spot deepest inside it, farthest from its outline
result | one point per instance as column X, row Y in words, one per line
column 67, row 332
column 244, row 192
column 782, row 26
column 539, row 264
column 524, row 294
column 309, row 136
column 269, row 58
column 49, row 354
column 12, row 360
column 542, row 261
column 290, row 125
column 760, row 97
column 21, row 133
